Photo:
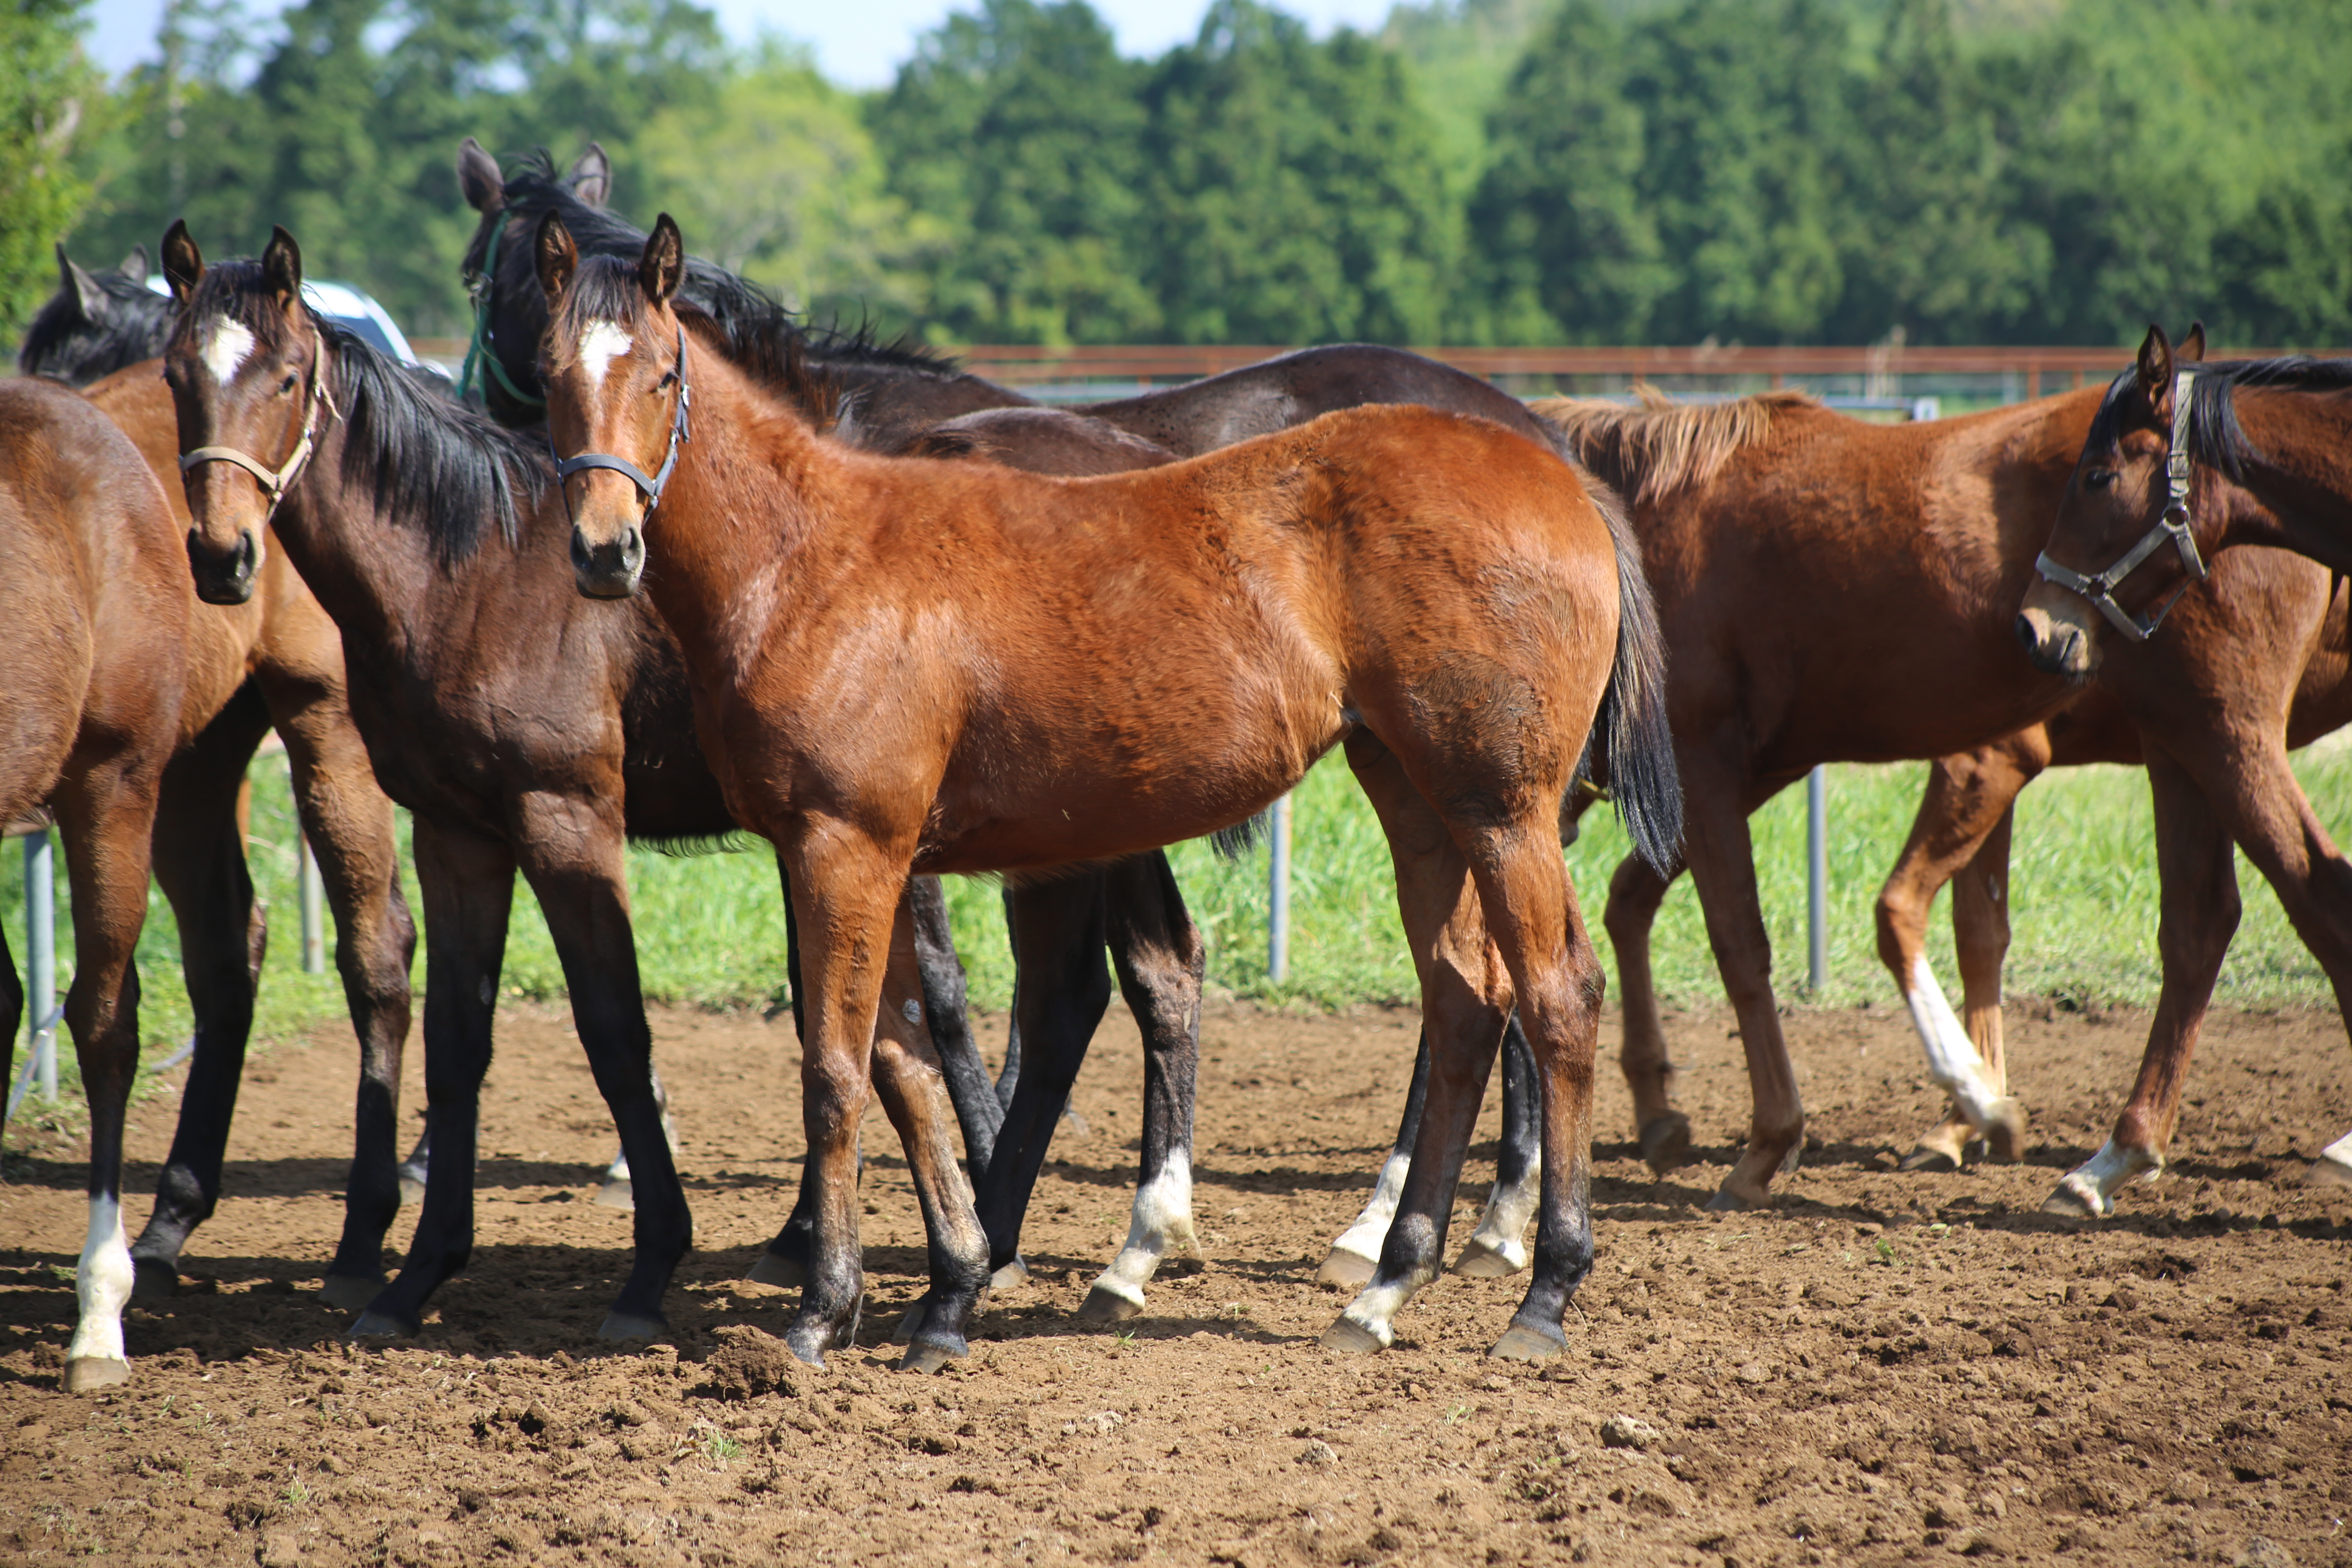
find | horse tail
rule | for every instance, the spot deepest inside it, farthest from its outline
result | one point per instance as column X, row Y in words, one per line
column 1643, row 778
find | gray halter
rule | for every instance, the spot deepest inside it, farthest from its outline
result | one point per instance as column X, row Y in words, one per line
column 276, row 482
column 2173, row 528
column 651, row 487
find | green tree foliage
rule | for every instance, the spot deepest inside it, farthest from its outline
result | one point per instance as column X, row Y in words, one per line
column 46, row 92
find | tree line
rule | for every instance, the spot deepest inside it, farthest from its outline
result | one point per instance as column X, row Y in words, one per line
column 1480, row 171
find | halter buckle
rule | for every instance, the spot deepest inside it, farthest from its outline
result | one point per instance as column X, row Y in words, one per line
column 651, row 487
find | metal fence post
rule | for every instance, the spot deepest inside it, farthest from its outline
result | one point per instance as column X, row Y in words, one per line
column 41, row 959
column 1817, row 878
column 314, row 924
column 1278, row 918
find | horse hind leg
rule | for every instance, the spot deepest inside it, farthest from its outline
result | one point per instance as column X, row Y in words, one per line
column 1635, row 893
column 1355, row 1256
column 1160, row 959
column 618, row 1190
column 1499, row 1247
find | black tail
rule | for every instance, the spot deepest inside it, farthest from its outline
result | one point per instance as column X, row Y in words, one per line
column 1632, row 722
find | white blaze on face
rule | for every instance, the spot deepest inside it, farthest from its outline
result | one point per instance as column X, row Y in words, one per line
column 600, row 345
column 227, row 349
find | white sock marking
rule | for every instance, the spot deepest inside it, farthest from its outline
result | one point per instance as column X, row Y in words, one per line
column 1501, row 1230
column 227, row 349
column 600, row 345
column 1363, row 1238
column 2094, row 1181
column 1952, row 1058
column 1162, row 1218
column 103, row 1284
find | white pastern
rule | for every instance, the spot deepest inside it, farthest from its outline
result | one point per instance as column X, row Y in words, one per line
column 600, row 345
column 1163, row 1219
column 2094, row 1181
column 1363, row 1238
column 1952, row 1058
column 2339, row 1154
column 1374, row 1309
column 1501, row 1230
column 103, row 1283
column 227, row 349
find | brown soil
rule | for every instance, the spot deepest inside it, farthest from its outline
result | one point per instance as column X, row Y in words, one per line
column 1888, row 1368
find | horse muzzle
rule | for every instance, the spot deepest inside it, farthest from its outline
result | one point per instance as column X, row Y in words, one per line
column 2057, row 644
column 225, row 576
column 610, row 570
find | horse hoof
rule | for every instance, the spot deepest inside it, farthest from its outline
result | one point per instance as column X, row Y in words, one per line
column 1106, row 1306
column 1732, row 1199
column 2328, row 1173
column 621, row 1195
column 770, row 1268
column 1930, row 1158
column 620, row 1325
column 911, row 1323
column 349, row 1293
column 383, row 1326
column 1526, row 1341
column 1666, row 1143
column 1348, row 1271
column 89, row 1374
column 2069, row 1202
column 1483, row 1260
column 927, row 1357
column 1014, row 1273
column 1347, row 1337
column 2004, row 1130
column 153, row 1279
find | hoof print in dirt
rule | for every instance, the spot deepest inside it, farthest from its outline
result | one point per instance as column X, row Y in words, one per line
column 750, row 1363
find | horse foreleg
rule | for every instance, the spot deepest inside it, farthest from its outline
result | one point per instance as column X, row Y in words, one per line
column 1499, row 1247
column 351, row 828
column 1635, row 894
column 1968, row 799
column 467, row 883
column 2199, row 889
column 1161, row 959
column 199, row 862
column 107, row 818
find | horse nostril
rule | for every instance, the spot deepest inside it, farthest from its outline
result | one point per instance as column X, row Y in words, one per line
column 2025, row 634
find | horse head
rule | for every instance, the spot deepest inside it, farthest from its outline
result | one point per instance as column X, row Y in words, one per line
column 614, row 362
column 2123, row 548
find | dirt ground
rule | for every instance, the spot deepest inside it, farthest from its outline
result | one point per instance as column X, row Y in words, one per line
column 1887, row 1368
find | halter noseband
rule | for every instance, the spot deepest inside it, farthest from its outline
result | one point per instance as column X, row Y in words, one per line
column 2173, row 528
column 650, row 487
column 275, row 483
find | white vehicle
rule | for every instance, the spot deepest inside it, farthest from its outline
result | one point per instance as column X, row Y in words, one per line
column 352, row 309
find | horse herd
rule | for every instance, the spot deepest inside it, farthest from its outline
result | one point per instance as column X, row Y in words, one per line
column 690, row 568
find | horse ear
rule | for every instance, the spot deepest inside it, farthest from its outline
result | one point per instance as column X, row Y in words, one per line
column 663, row 265
column 183, row 263
column 478, row 178
column 2192, row 347
column 592, row 176
column 281, row 268
column 556, row 257
column 2155, row 368
column 88, row 297
column 134, row 265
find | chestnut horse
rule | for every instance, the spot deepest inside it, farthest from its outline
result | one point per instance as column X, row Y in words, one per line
column 1745, row 508
column 276, row 661
column 2185, row 460
column 96, row 601
column 1037, row 665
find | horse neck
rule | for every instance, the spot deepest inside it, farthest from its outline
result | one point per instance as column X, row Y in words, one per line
column 368, row 575
column 2302, row 478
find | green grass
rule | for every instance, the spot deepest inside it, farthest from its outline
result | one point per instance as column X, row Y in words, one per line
column 710, row 927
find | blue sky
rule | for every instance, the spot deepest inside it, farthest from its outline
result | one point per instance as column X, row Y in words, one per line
column 858, row 44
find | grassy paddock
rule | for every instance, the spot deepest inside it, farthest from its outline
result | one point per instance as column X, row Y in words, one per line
column 710, row 927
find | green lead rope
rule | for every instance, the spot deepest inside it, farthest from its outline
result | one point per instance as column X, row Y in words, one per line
column 477, row 350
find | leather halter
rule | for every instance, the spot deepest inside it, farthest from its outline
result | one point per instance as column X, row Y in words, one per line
column 275, row 483
column 651, row 487
column 2174, row 528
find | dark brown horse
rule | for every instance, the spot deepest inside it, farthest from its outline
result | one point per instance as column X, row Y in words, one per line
column 1903, row 543
column 96, row 601
column 1039, row 663
column 274, row 661
column 2259, row 449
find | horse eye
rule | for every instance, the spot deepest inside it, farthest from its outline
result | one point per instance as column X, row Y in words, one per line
column 287, row 384
column 2098, row 478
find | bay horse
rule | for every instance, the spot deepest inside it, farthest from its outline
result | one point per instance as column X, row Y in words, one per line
column 2184, row 461
column 273, row 662
column 896, row 399
column 97, row 604
column 1906, row 543
column 1056, row 671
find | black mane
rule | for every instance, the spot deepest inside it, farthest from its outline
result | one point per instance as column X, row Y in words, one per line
column 65, row 344
column 2216, row 439
column 751, row 320
column 431, row 462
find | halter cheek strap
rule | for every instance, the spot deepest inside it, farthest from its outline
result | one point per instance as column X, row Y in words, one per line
column 2174, row 528
column 650, row 487
column 275, row 483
